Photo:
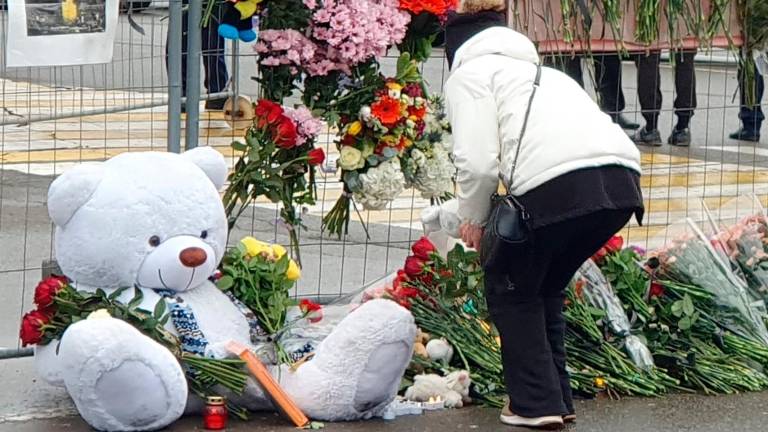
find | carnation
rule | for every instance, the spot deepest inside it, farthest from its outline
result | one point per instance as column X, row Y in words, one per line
column 380, row 185
column 307, row 125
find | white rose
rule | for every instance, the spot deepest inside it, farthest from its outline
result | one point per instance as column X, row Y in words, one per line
column 394, row 93
column 351, row 158
column 365, row 113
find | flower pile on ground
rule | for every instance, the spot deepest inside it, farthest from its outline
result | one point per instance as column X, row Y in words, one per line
column 277, row 161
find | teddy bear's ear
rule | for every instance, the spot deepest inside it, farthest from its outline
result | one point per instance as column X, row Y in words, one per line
column 72, row 190
column 211, row 162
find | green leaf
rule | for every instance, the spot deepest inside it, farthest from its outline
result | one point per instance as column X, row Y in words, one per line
column 159, row 309
column 677, row 308
column 684, row 323
column 138, row 296
column 112, row 297
column 238, row 146
column 688, row 307
column 225, row 283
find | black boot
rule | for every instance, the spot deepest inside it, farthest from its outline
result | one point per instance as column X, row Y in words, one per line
column 647, row 137
column 680, row 137
column 624, row 122
column 744, row 134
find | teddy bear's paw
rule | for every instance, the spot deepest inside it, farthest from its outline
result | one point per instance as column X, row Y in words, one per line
column 119, row 379
column 357, row 369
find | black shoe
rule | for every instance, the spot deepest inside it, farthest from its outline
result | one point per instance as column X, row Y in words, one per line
column 624, row 122
column 647, row 137
column 746, row 135
column 680, row 137
column 215, row 104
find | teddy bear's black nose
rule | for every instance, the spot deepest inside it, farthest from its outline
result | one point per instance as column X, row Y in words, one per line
column 192, row 257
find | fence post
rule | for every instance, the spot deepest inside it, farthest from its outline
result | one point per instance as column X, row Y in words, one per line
column 194, row 18
column 175, row 29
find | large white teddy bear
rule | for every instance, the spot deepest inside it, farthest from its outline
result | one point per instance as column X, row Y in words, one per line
column 156, row 221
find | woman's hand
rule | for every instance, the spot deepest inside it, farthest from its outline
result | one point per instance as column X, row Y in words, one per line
column 471, row 235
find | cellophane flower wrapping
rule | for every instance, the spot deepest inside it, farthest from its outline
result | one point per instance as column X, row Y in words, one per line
column 597, row 291
column 742, row 237
column 304, row 333
column 690, row 259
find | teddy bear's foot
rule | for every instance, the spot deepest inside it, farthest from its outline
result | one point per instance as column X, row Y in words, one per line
column 119, row 379
column 357, row 369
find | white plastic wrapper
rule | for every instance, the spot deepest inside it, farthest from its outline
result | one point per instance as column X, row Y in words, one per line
column 598, row 292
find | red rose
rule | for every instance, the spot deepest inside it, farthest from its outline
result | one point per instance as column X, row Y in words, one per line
column 32, row 323
column 268, row 112
column 614, row 244
column 414, row 266
column 657, row 290
column 312, row 310
column 423, row 248
column 47, row 289
column 284, row 133
column 599, row 256
column 316, row 156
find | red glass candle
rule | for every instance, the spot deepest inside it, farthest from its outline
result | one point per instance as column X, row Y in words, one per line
column 215, row 415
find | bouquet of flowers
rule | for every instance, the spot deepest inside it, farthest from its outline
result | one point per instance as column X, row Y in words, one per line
column 692, row 261
column 598, row 293
column 676, row 321
column 427, row 20
column 383, row 148
column 323, row 39
column 260, row 276
column 277, row 161
column 60, row 304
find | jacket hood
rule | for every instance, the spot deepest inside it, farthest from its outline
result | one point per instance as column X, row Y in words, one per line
column 497, row 40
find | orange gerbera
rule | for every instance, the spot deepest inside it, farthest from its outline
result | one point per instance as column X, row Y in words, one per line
column 388, row 110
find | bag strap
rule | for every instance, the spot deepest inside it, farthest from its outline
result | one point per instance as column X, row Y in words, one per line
column 536, row 82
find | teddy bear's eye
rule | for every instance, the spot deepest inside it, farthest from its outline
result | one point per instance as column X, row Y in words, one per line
column 204, row 234
column 154, row 241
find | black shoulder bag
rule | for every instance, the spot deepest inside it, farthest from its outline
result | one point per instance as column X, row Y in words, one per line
column 507, row 225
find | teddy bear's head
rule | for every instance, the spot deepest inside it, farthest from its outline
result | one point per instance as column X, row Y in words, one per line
column 150, row 219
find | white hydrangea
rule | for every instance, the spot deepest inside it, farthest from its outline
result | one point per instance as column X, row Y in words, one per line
column 380, row 185
column 434, row 173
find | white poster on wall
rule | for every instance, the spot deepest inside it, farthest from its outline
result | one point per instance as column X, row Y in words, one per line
column 60, row 32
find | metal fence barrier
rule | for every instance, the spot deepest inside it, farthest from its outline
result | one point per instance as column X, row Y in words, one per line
column 52, row 118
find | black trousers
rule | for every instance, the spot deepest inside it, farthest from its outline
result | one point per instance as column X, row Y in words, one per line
column 649, row 87
column 607, row 77
column 751, row 116
column 212, row 47
column 525, row 300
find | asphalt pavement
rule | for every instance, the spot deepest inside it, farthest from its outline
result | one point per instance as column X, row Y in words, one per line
column 677, row 413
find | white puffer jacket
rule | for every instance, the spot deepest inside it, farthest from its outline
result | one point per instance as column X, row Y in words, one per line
column 487, row 95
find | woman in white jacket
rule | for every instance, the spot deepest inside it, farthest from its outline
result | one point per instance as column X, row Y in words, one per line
column 577, row 176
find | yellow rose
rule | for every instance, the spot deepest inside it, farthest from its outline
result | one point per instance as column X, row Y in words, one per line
column 599, row 382
column 255, row 247
column 278, row 251
column 351, row 158
column 99, row 314
column 394, row 86
column 293, row 273
column 354, row 128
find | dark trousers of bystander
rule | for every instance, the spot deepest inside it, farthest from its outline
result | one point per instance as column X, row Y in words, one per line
column 212, row 47
column 751, row 116
column 607, row 77
column 526, row 299
column 649, row 87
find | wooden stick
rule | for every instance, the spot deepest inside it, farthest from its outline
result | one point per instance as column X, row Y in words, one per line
column 279, row 397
